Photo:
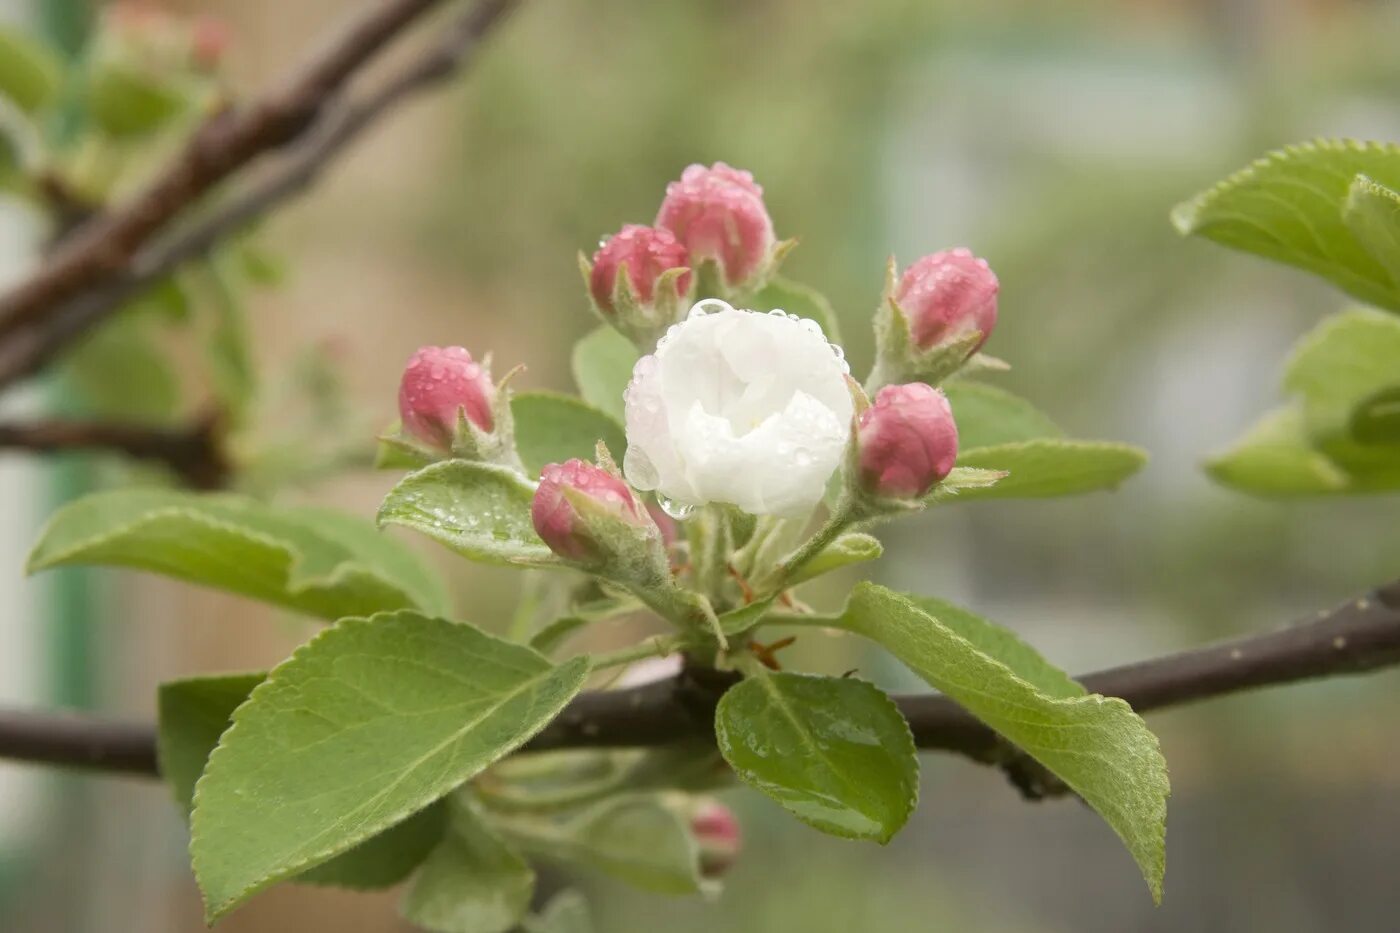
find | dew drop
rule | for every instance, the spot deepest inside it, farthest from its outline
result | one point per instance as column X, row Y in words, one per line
column 679, row 511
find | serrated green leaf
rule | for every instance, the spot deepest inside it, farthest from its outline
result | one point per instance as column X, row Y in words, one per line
column 30, row 70
column 1097, row 745
column 472, row 883
column 1372, row 213
column 1043, row 468
column 1276, row 458
column 834, row 752
column 1289, row 206
column 479, row 510
column 987, row 416
column 602, row 364
column 279, row 555
column 1002, row 644
column 801, row 300
column 851, row 548
column 368, row 723
column 567, row 913
column 1344, row 359
column 551, row 428
column 633, row 838
column 194, row 712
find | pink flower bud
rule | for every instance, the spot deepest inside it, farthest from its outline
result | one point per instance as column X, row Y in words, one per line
column 947, row 295
column 437, row 383
column 647, row 252
column 557, row 520
column 717, row 832
column 908, row 441
column 209, row 40
column 718, row 213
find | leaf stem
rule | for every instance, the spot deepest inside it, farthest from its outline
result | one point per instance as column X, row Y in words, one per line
column 657, row 646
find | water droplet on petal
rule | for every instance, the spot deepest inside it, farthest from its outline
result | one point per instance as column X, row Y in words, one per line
column 679, row 511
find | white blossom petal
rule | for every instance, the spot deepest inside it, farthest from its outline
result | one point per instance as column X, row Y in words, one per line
column 738, row 407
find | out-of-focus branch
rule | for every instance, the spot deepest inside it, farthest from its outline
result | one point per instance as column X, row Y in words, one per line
column 28, row 349
column 103, row 246
column 1361, row 635
column 193, row 453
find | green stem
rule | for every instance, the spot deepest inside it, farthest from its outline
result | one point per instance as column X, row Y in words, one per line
column 657, row 646
column 803, row 619
column 843, row 516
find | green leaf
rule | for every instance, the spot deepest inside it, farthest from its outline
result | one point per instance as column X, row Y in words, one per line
column 988, row 416
column 228, row 345
column 567, row 913
column 368, row 723
column 602, row 363
column 472, row 883
column 195, row 712
column 737, row 621
column 126, row 101
column 851, row 548
column 1003, row 645
column 1376, row 419
column 633, row 838
column 396, row 452
column 479, row 510
column 1345, row 359
column 1276, row 458
column 552, row 428
column 120, row 372
column 834, row 752
column 288, row 557
column 1290, row 206
column 30, row 71
column 1043, row 468
column 801, row 300
column 1097, row 745
column 1372, row 213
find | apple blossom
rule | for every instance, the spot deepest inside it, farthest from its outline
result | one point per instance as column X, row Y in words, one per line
column 718, row 214
column 907, row 441
column 739, row 407
column 438, row 383
column 946, row 295
column 717, row 833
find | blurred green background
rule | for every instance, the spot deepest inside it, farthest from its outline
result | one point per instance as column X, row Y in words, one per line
column 1051, row 139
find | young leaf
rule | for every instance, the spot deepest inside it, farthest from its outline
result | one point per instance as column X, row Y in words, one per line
column 1376, row 419
column 1049, row 467
column 801, row 300
column 479, row 510
column 1276, row 458
column 193, row 713
column 567, row 913
column 633, row 838
column 1343, row 360
column 288, row 557
column 120, row 372
column 987, row 416
column 472, row 883
column 30, row 71
column 1290, row 205
column 602, row 364
column 368, row 723
column 1372, row 213
column 835, row 752
column 851, row 548
column 1097, row 745
column 1002, row 644
column 551, row 428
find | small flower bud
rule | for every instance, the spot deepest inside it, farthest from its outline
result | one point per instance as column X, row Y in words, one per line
column 718, row 213
column 907, row 441
column 569, row 533
column 438, row 383
column 647, row 252
column 717, row 832
column 947, row 295
column 209, row 40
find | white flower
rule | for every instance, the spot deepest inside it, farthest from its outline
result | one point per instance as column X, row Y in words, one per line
column 738, row 407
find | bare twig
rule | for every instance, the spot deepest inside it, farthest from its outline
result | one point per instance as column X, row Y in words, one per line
column 194, row 453
column 28, row 349
column 1359, row 636
column 103, row 246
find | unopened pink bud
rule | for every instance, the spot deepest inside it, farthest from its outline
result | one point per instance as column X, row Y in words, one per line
column 947, row 295
column 718, row 213
column 717, row 832
column 908, row 441
column 437, row 383
column 647, row 252
column 209, row 40
column 557, row 520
